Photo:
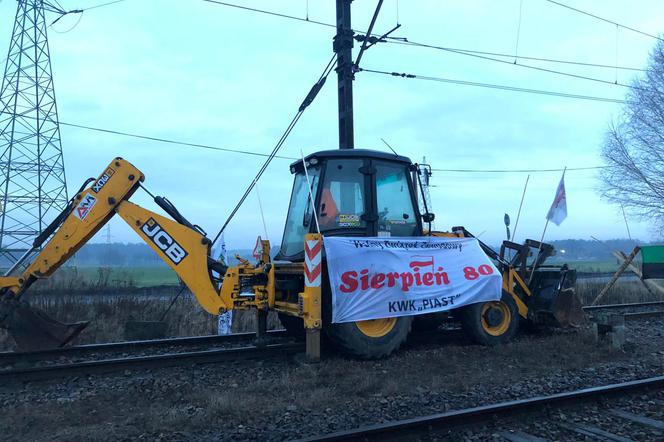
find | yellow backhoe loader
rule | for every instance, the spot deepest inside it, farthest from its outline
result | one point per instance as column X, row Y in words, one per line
column 339, row 182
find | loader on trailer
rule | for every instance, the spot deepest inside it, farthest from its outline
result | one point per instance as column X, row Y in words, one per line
column 356, row 193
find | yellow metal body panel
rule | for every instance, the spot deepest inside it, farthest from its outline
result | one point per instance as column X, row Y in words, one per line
column 510, row 279
column 185, row 250
column 92, row 208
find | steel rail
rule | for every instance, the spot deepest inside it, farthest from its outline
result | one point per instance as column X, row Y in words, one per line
column 619, row 306
column 642, row 315
column 10, row 357
column 487, row 413
column 150, row 362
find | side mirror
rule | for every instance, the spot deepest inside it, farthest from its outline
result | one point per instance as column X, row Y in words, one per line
column 428, row 217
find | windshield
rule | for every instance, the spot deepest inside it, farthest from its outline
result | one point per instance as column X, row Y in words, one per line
column 300, row 213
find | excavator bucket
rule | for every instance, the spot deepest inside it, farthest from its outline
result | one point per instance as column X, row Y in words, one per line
column 32, row 329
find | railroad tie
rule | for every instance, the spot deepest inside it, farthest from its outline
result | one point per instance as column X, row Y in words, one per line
column 520, row 436
column 647, row 421
column 594, row 432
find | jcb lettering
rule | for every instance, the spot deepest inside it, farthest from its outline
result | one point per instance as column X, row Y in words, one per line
column 164, row 241
column 102, row 180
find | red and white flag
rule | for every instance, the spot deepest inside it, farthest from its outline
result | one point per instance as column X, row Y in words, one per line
column 558, row 211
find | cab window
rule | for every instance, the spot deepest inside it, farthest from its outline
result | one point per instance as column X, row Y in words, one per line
column 396, row 214
column 342, row 196
column 300, row 213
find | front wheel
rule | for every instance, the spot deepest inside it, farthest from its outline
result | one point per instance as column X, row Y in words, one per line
column 491, row 323
column 372, row 339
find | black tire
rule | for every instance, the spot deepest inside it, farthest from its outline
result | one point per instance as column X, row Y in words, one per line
column 294, row 326
column 491, row 331
column 351, row 340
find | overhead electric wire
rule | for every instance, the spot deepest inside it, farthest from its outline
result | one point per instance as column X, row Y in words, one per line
column 103, row 4
column 516, row 63
column 169, row 141
column 499, row 54
column 605, row 20
column 402, row 40
column 275, row 14
column 305, row 103
column 63, row 12
column 246, row 152
column 496, row 86
column 518, row 170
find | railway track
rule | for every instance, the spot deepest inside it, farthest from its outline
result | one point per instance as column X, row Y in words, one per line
column 630, row 305
column 118, row 356
column 99, row 366
column 117, row 348
column 427, row 427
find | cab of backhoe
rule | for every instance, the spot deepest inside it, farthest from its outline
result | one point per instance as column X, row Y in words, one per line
column 356, row 192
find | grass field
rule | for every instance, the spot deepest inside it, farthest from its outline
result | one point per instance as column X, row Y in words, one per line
column 591, row 266
column 96, row 278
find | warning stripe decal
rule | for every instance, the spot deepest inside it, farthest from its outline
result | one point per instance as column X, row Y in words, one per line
column 312, row 262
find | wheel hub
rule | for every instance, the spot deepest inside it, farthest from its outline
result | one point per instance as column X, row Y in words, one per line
column 494, row 317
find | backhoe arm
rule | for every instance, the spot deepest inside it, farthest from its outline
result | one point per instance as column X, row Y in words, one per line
column 182, row 246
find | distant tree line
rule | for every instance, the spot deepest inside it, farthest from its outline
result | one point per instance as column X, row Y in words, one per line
column 138, row 254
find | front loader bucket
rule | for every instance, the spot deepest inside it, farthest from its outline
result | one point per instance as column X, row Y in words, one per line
column 32, row 329
column 554, row 300
column 567, row 309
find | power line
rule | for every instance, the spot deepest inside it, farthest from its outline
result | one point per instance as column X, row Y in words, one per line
column 515, row 63
column 103, row 4
column 275, row 14
column 313, row 92
column 499, row 54
column 246, row 152
column 517, row 170
column 401, row 40
column 496, row 86
column 605, row 20
column 169, row 141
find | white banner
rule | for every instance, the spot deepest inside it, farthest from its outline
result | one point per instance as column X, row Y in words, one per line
column 375, row 278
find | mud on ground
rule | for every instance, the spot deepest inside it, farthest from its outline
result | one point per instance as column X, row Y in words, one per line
column 280, row 400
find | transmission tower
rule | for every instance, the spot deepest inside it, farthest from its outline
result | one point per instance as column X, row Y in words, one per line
column 32, row 176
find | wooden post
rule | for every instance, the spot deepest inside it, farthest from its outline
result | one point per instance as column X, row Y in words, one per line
column 313, row 344
column 615, row 277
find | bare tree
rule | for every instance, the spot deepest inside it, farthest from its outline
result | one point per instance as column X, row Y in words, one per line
column 634, row 146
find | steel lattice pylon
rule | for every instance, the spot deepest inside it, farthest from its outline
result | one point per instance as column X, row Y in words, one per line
column 32, row 175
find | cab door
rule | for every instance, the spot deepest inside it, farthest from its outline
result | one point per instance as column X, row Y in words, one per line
column 396, row 205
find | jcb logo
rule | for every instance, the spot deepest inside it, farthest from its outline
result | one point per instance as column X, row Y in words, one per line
column 164, row 241
column 102, row 180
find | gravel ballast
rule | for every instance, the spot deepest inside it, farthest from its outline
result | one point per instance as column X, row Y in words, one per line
column 281, row 400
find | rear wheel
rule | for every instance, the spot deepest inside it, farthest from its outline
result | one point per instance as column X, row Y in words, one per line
column 491, row 323
column 372, row 339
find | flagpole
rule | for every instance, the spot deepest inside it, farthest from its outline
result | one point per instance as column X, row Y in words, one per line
column 539, row 247
column 518, row 215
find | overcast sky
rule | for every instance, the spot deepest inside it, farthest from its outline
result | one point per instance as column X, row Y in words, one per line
column 204, row 73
